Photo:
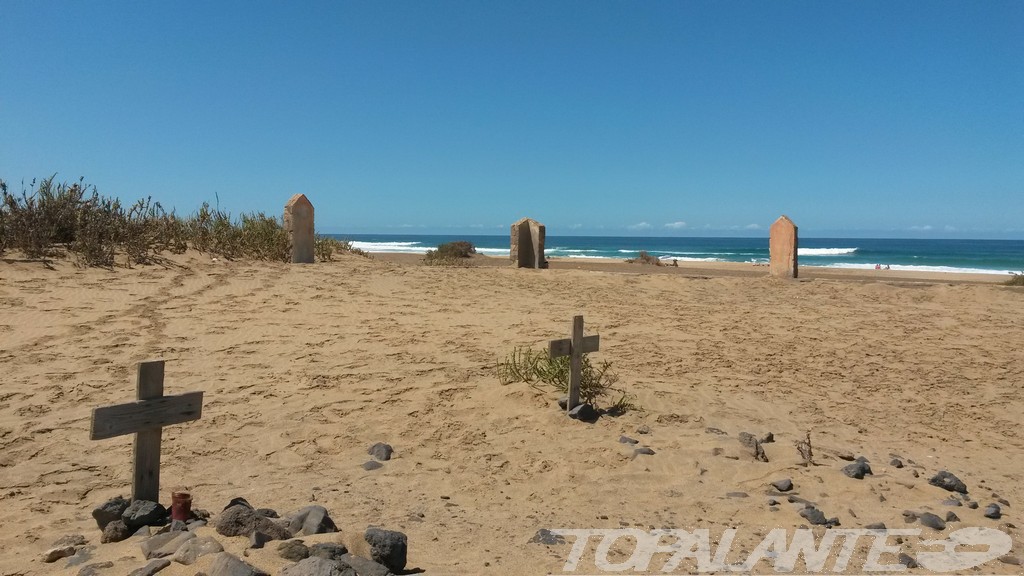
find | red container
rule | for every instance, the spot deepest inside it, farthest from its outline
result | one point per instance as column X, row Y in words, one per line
column 181, row 506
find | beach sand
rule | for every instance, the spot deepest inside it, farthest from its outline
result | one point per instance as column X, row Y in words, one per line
column 306, row 366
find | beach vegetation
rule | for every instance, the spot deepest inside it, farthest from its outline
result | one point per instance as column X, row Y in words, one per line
column 325, row 247
column 539, row 369
column 456, row 253
column 1016, row 279
column 52, row 219
column 644, row 258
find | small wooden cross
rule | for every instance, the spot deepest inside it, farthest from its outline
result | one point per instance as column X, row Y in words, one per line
column 146, row 419
column 574, row 347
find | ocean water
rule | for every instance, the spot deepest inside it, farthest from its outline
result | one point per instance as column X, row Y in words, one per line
column 964, row 256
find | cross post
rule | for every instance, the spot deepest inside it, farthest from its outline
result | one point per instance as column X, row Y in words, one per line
column 574, row 347
column 146, row 418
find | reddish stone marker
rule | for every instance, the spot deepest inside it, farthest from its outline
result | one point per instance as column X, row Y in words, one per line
column 782, row 245
column 298, row 223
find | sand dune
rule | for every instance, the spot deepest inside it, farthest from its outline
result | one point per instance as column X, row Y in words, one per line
column 304, row 367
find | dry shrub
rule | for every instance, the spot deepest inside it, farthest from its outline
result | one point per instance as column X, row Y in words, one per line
column 644, row 258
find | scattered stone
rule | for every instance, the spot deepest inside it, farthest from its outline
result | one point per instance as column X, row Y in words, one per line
column 1009, row 559
column 773, row 502
column 311, row 520
column 932, row 521
column 857, row 469
column 236, row 520
column 545, row 536
column 58, row 552
column 896, row 463
column 643, row 429
column 381, row 451
column 109, row 511
column 972, row 505
column 715, row 431
column 907, row 560
column 94, row 569
column 644, row 450
column 993, row 511
column 328, row 550
column 166, row 544
column 82, row 555
column 192, row 549
column 773, row 508
column 627, row 440
column 294, row 550
column 225, row 564
column 875, row 526
column 259, row 539
column 143, row 532
column 952, row 502
column 768, row 438
column 144, row 513
column 267, row 513
column 915, row 474
column 784, row 485
column 153, row 567
column 563, row 402
column 317, row 566
column 817, row 517
column 273, row 529
column 952, row 517
column 239, row 502
column 909, row 516
column 584, row 413
column 948, row 481
column 364, row 567
column 371, row 465
column 1002, row 501
column 737, row 495
column 388, row 547
column 115, row 531
column 748, row 440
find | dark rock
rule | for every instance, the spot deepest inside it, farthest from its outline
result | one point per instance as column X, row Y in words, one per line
column 317, row 566
column 153, row 567
column 896, row 463
column 57, row 552
column 643, row 451
column 237, row 520
column 862, row 459
column 627, row 440
column 387, row 547
column 1009, row 559
column 94, row 569
column 328, row 550
column 748, row 440
column 200, row 514
column 371, row 465
column 875, row 526
column 768, row 438
column 952, row 517
column 563, row 402
column 191, row 550
column 109, row 511
column 858, row 469
column 144, row 532
column 907, row 560
column 584, row 413
column 993, row 511
column 311, row 520
column 773, row 502
column 144, row 513
column 784, row 485
column 545, row 536
column 814, row 516
column 909, row 516
column 82, row 555
column 952, row 502
column 364, row 567
column 71, row 540
column 715, row 431
column 115, row 531
column 267, row 513
column 164, row 545
column 914, row 473
column 932, row 521
column 381, row 451
column 293, row 550
column 773, row 508
column 1002, row 501
column 273, row 529
column 259, row 539
column 237, row 502
column 225, row 564
column 178, row 526
column 972, row 505
column 948, row 481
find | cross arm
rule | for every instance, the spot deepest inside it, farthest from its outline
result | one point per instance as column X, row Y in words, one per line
column 563, row 347
column 121, row 419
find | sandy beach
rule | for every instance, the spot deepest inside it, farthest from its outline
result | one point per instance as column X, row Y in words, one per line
column 305, row 366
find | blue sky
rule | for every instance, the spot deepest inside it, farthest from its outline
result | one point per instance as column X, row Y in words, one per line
column 696, row 118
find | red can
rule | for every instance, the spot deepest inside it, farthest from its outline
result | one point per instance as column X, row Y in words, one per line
column 181, row 506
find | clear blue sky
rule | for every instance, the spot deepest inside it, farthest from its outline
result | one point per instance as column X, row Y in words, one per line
column 614, row 118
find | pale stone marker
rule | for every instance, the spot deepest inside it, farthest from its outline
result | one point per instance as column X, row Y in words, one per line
column 527, row 244
column 782, row 246
column 574, row 347
column 298, row 223
column 146, row 419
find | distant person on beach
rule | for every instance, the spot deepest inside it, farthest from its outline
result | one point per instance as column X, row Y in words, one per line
column 878, row 266
column 886, row 266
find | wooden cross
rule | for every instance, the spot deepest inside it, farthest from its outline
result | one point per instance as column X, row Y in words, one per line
column 574, row 347
column 146, row 418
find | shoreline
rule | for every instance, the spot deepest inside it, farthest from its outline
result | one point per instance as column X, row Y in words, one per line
column 720, row 269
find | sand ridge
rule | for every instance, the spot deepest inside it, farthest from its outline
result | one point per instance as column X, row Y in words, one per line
column 305, row 367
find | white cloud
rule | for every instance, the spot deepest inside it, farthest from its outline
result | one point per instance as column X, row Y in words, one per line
column 676, row 225
column 752, row 227
column 924, row 228
column 575, row 226
column 640, row 226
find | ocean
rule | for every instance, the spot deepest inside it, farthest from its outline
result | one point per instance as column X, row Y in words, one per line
column 957, row 256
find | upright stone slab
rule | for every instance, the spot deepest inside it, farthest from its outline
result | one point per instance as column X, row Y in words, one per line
column 527, row 244
column 298, row 223
column 782, row 246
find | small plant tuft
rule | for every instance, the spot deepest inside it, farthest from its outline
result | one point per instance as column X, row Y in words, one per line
column 597, row 382
column 1016, row 280
column 450, row 254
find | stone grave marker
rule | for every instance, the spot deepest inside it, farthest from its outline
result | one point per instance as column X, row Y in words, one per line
column 527, row 244
column 146, row 418
column 574, row 347
column 782, row 247
column 298, row 223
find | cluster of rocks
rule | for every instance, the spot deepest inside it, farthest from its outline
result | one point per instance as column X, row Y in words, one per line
column 582, row 412
column 177, row 541
column 381, row 452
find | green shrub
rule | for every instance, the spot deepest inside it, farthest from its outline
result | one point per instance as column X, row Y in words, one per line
column 1016, row 280
column 644, row 258
column 98, row 228
column 450, row 254
column 597, row 382
column 264, row 238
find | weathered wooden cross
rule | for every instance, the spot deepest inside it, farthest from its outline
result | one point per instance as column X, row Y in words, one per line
column 146, row 418
column 574, row 347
